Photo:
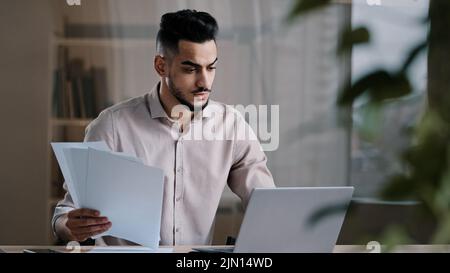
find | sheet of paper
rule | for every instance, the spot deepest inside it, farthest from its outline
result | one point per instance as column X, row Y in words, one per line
column 77, row 162
column 127, row 157
column 59, row 153
column 128, row 193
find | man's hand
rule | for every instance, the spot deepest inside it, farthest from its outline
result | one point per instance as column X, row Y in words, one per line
column 81, row 224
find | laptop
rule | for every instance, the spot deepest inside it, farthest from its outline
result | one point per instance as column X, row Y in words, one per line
column 286, row 220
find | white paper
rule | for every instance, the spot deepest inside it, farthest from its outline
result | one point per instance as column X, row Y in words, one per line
column 118, row 185
column 128, row 193
column 77, row 162
column 58, row 150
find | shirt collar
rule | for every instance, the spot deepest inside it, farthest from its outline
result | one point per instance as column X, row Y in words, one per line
column 157, row 110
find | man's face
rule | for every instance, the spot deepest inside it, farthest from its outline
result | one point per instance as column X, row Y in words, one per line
column 192, row 72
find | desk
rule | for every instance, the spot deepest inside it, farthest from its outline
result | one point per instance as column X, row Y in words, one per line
column 186, row 249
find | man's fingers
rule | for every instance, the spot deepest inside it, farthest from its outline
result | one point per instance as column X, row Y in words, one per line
column 91, row 229
column 84, row 236
column 83, row 213
column 87, row 222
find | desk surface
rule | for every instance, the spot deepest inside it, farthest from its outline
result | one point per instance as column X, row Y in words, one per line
column 186, row 249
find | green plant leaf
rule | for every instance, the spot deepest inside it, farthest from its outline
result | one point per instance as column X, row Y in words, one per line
column 353, row 37
column 428, row 160
column 413, row 55
column 442, row 233
column 399, row 187
column 431, row 124
column 393, row 236
column 372, row 118
column 442, row 196
column 391, row 86
column 351, row 93
column 304, row 6
column 380, row 85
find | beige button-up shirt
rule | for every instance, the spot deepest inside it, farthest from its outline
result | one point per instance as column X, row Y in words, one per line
column 218, row 148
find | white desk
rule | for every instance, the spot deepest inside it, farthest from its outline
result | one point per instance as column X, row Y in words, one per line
column 186, row 249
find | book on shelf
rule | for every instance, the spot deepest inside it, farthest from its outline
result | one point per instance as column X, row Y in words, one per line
column 100, row 89
column 75, row 75
column 79, row 93
column 70, row 100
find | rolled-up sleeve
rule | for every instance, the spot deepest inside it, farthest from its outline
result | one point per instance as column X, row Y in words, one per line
column 249, row 169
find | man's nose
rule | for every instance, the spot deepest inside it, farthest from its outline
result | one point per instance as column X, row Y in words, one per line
column 203, row 80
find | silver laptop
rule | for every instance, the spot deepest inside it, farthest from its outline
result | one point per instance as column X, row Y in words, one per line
column 300, row 219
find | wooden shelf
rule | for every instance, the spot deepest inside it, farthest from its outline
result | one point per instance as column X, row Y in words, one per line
column 71, row 122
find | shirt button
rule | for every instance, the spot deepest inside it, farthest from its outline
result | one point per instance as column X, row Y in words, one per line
column 179, row 170
column 178, row 199
column 177, row 230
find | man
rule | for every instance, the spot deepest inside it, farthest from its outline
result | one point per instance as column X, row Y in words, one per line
column 156, row 129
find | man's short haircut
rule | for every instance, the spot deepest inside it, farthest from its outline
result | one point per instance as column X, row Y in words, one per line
column 190, row 25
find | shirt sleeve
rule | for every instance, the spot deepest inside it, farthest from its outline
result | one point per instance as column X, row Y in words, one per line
column 64, row 206
column 102, row 128
column 249, row 169
column 99, row 129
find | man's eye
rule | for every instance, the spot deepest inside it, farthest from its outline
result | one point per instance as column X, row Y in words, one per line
column 189, row 70
column 212, row 68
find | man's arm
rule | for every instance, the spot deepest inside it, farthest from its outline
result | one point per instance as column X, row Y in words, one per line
column 249, row 169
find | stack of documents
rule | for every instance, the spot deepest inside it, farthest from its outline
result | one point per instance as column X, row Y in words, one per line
column 120, row 186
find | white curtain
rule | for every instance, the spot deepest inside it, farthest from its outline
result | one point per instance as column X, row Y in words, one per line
column 262, row 61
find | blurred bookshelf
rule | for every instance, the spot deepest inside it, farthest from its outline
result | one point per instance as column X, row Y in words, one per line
column 79, row 94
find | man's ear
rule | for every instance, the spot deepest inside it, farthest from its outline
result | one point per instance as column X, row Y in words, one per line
column 160, row 66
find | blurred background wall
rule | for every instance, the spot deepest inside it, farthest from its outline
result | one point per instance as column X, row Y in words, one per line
column 108, row 45
column 25, row 81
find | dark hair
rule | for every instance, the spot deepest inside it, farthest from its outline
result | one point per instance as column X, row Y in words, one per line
column 191, row 25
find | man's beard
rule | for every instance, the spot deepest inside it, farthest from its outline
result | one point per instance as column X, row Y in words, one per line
column 182, row 99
